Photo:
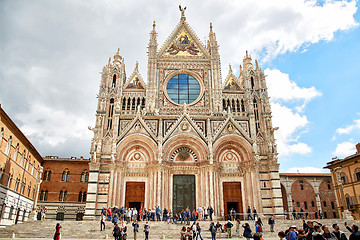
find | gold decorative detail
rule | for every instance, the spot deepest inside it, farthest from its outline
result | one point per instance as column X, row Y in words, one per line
column 137, row 156
column 184, row 153
column 185, row 126
column 230, row 128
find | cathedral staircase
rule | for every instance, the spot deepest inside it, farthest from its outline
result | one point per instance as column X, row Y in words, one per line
column 158, row 230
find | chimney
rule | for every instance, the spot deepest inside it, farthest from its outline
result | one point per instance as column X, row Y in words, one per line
column 358, row 148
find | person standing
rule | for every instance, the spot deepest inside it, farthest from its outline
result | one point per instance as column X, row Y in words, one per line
column 249, row 213
column 247, row 231
column 294, row 214
column 228, row 226
column 147, row 230
column 271, row 223
column 57, row 235
column 188, row 216
column 338, row 234
column 213, row 231
column 198, row 231
column 136, row 228
column 255, row 213
column 211, row 212
column 233, row 214
column 116, row 231
column 238, row 227
column 43, row 213
column 183, row 233
column 102, row 222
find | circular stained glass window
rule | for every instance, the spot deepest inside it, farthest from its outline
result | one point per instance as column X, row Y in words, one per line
column 183, row 88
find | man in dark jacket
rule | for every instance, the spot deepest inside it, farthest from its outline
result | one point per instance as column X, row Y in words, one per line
column 249, row 213
column 271, row 223
column 317, row 233
column 355, row 234
column 338, row 234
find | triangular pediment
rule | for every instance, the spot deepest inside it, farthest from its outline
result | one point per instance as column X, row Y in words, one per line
column 230, row 126
column 231, row 83
column 137, row 126
column 183, row 43
column 135, row 82
column 185, row 125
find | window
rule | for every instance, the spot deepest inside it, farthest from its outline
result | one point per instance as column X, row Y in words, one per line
column 332, row 205
column 252, row 83
column 297, row 204
column 334, row 213
column 183, row 88
column 325, row 215
column 22, row 158
column 17, row 185
column 84, row 176
column 82, row 196
column 32, row 168
column 301, row 186
column 114, row 81
column 256, row 113
column 11, row 212
column 312, row 203
column 29, row 190
column 65, row 176
column 16, row 152
column 110, row 114
column 357, row 174
column 8, row 146
column 329, row 186
column 28, row 163
column 344, row 178
column 349, row 200
column 43, row 195
column 324, row 203
column 305, row 205
column 63, row 196
column 1, row 135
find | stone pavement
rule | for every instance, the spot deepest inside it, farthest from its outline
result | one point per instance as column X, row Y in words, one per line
column 158, row 230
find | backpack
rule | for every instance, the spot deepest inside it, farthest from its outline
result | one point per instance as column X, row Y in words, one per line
column 260, row 228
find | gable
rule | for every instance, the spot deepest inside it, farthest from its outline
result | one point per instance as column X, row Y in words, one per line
column 135, row 84
column 231, row 85
column 183, row 42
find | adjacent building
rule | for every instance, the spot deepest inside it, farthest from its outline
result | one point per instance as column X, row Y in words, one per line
column 345, row 174
column 63, row 190
column 20, row 173
column 184, row 139
column 310, row 194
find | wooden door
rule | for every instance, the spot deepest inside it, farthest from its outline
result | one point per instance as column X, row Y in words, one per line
column 232, row 197
column 134, row 193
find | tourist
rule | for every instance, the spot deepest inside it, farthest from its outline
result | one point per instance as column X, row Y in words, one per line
column 128, row 215
column 355, row 234
column 146, row 230
column 258, row 236
column 233, row 214
column 248, row 211
column 108, row 212
column 320, row 214
column 158, row 213
column 301, row 234
column 102, row 222
column 198, row 231
column 338, row 234
column 165, row 214
column 43, row 213
column 189, row 233
column 193, row 215
column 327, row 234
column 247, row 231
column 255, row 213
column 136, row 228
column 228, row 226
column 238, row 227
column 57, row 235
column 271, row 223
column 258, row 227
column 116, row 231
column 183, row 233
column 141, row 214
column 211, row 212
column 317, row 233
column 201, row 213
column 282, row 235
column 218, row 225
column 115, row 219
column 291, row 235
column 188, row 216
column 294, row 214
column 206, row 213
column 213, row 230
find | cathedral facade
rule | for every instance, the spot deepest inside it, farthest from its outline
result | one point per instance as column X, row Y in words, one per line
column 184, row 138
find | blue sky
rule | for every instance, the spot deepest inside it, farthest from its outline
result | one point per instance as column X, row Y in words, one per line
column 52, row 53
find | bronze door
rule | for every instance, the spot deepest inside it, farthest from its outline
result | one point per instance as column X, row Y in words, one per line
column 183, row 192
column 232, row 198
column 134, row 192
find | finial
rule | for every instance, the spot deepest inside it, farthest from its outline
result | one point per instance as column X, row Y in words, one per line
column 256, row 64
column 118, row 51
column 182, row 10
column 137, row 66
column 210, row 27
column 154, row 25
column 109, row 61
column 247, row 54
column 240, row 69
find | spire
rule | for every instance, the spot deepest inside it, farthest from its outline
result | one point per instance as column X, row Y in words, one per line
column 153, row 42
column 137, row 66
column 230, row 70
column 247, row 62
column 117, row 57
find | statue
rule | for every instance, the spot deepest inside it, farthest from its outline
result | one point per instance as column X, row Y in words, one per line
column 182, row 10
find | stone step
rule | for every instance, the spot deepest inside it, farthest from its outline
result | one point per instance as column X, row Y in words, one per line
column 91, row 229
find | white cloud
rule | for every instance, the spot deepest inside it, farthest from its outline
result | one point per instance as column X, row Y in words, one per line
column 345, row 149
column 349, row 129
column 280, row 87
column 287, row 136
column 306, row 170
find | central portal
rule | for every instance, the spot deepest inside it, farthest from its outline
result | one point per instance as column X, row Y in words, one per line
column 183, row 192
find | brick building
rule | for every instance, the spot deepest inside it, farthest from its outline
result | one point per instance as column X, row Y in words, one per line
column 310, row 192
column 345, row 175
column 63, row 190
column 20, row 172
